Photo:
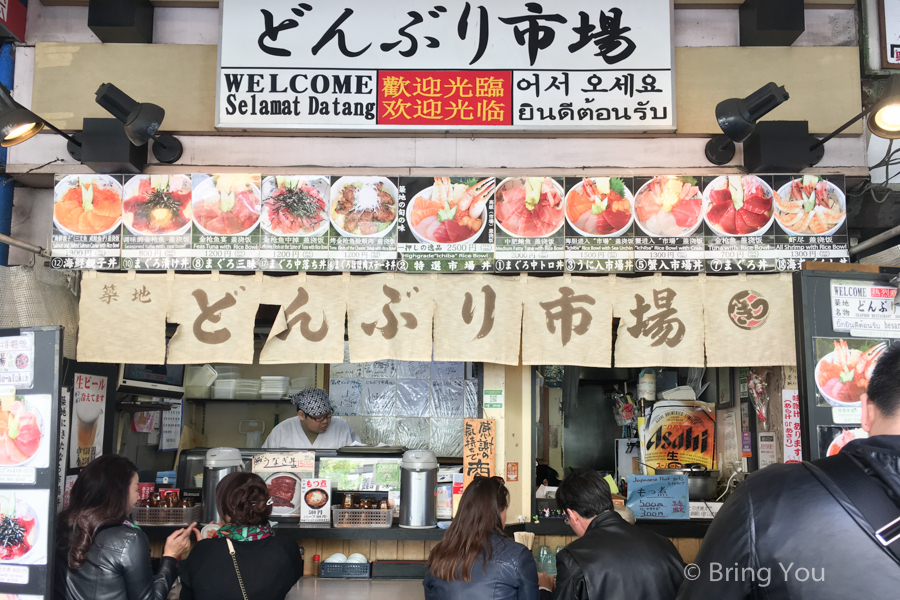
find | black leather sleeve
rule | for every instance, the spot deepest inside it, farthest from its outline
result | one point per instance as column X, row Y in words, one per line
column 140, row 582
column 729, row 544
column 527, row 572
column 569, row 578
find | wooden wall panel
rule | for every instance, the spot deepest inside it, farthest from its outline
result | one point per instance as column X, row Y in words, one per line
column 824, row 83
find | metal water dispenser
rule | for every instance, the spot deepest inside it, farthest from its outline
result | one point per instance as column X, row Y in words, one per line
column 418, row 478
column 219, row 463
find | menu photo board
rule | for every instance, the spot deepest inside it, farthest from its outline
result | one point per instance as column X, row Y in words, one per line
column 739, row 224
column 599, row 224
column 446, row 224
column 156, row 214
column 529, row 214
column 295, row 220
column 87, row 221
column 17, row 361
column 668, row 216
column 363, row 234
column 226, row 213
column 811, row 215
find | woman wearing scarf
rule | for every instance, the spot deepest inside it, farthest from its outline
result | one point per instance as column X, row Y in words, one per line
column 245, row 560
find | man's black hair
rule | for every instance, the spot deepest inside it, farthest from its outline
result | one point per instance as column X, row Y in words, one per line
column 584, row 491
column 884, row 387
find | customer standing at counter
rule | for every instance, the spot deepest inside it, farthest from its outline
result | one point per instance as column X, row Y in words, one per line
column 475, row 559
column 314, row 427
column 100, row 554
column 611, row 559
column 245, row 560
column 808, row 530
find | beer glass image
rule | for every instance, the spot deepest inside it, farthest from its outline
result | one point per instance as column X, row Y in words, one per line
column 87, row 415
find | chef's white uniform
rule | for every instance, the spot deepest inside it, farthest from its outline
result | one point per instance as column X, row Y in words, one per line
column 290, row 434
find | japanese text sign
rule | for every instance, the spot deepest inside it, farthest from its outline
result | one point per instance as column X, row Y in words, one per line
column 793, row 446
column 495, row 64
column 658, row 496
column 864, row 309
column 478, row 449
column 89, row 400
column 302, row 463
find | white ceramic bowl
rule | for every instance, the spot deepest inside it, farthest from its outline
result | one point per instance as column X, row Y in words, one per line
column 337, row 557
column 498, row 194
column 69, row 181
column 686, row 233
column 426, row 195
column 206, row 188
column 716, row 184
column 131, row 188
column 579, row 187
column 785, row 192
column 322, row 186
column 338, row 185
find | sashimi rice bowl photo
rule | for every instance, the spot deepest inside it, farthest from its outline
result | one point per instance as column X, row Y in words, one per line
column 669, row 206
column 842, row 376
column 158, row 204
column 227, row 204
column 21, row 429
column 87, row 205
column 363, row 206
column 296, row 206
column 739, row 205
column 18, row 527
column 450, row 213
column 600, row 207
column 530, row 207
column 810, row 205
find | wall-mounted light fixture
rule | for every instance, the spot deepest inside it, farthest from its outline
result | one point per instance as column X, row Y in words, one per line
column 737, row 118
column 141, row 120
column 18, row 124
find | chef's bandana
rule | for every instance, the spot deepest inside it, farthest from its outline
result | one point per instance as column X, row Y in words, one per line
column 312, row 401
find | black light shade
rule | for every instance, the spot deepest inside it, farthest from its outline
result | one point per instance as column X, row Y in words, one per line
column 141, row 119
column 738, row 116
column 17, row 124
column 884, row 120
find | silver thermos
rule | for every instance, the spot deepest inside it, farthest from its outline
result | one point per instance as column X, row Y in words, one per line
column 219, row 463
column 418, row 478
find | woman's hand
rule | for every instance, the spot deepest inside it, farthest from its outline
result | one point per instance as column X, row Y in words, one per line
column 545, row 581
column 179, row 542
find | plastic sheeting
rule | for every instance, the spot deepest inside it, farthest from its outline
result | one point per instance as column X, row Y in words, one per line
column 35, row 296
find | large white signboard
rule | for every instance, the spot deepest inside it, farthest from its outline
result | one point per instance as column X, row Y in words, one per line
column 497, row 65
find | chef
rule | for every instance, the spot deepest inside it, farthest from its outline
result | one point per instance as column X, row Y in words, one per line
column 314, row 427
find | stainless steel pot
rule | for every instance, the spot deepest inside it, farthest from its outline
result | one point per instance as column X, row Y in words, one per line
column 702, row 482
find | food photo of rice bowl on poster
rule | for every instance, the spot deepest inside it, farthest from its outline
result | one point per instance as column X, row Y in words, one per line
column 23, row 522
column 23, row 432
column 448, row 211
column 285, row 491
column 226, row 204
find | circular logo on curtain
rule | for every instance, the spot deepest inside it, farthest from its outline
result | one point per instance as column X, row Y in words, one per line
column 748, row 310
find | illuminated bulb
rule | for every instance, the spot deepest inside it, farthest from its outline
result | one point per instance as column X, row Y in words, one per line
column 888, row 118
column 22, row 133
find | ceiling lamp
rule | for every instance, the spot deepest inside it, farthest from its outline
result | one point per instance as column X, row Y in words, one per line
column 18, row 124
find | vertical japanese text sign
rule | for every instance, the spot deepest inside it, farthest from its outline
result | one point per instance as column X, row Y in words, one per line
column 478, row 449
column 491, row 65
column 89, row 404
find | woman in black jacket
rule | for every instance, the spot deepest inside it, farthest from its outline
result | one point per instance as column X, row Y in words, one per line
column 269, row 566
column 101, row 555
column 476, row 559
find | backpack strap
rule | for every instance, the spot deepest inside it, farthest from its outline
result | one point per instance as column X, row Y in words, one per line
column 866, row 494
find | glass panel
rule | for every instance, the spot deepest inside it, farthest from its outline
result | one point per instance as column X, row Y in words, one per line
column 376, row 430
column 379, row 397
column 383, row 369
column 413, row 432
column 448, row 370
column 346, row 396
column 473, row 405
column 412, row 398
column 413, row 370
column 447, row 437
column 447, row 398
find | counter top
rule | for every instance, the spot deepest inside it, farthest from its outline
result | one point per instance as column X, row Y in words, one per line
column 357, row 589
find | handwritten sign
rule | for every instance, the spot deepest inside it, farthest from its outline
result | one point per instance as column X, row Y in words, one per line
column 478, row 448
column 285, row 462
column 658, row 496
column 89, row 398
column 793, row 447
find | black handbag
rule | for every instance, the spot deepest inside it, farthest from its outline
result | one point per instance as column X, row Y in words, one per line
column 880, row 517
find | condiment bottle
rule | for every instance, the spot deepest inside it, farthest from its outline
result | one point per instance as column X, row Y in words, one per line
column 348, row 501
column 384, row 504
column 316, row 566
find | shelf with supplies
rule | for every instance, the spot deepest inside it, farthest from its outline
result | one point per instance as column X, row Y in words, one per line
column 315, row 531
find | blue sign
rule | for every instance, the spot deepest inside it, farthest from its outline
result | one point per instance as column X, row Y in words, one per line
column 658, row 496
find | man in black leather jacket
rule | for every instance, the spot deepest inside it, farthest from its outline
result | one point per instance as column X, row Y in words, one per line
column 612, row 559
column 783, row 534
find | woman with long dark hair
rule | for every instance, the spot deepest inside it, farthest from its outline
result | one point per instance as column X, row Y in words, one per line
column 476, row 559
column 103, row 556
column 244, row 560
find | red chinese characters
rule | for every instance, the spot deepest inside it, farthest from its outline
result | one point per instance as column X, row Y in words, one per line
column 445, row 98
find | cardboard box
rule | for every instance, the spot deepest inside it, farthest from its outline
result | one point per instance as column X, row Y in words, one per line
column 315, row 501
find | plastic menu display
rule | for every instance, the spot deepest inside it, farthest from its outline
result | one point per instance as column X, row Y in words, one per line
column 28, row 476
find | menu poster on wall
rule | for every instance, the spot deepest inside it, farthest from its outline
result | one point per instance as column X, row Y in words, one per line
column 599, row 225
column 739, row 224
column 26, row 446
column 17, row 361
column 363, row 234
column 170, row 430
column 89, row 400
column 478, row 448
column 446, row 224
column 864, row 309
column 529, row 213
column 226, row 209
column 811, row 218
column 295, row 220
column 156, row 214
column 668, row 213
column 87, row 222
